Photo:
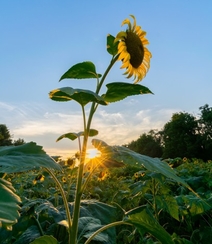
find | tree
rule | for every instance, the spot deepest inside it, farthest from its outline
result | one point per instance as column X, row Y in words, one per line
column 205, row 124
column 147, row 144
column 181, row 137
column 5, row 136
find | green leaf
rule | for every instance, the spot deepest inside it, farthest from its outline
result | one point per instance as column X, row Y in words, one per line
column 169, row 204
column 81, row 96
column 25, row 157
column 193, row 204
column 8, row 205
column 143, row 219
column 112, row 47
column 83, row 70
column 117, row 91
column 45, row 240
column 89, row 225
column 128, row 157
column 72, row 135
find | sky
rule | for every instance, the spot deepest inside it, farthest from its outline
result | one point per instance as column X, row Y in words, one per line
column 42, row 39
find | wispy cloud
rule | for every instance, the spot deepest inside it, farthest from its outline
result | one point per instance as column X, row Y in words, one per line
column 34, row 123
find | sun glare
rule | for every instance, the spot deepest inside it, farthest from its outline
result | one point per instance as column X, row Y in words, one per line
column 92, row 153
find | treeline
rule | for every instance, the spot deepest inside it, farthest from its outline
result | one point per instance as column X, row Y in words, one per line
column 183, row 136
column 6, row 137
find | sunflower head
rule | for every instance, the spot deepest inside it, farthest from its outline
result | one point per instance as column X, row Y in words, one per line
column 132, row 50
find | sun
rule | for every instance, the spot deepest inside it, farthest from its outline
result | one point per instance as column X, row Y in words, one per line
column 92, row 153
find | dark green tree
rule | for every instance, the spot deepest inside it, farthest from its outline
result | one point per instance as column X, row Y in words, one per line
column 18, row 142
column 205, row 124
column 5, row 136
column 147, row 144
column 181, row 137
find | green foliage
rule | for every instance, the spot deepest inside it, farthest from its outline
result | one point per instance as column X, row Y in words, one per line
column 25, row 157
column 112, row 47
column 8, row 205
column 143, row 219
column 117, row 91
column 45, row 240
column 84, row 70
column 123, row 154
column 148, row 144
column 72, row 136
column 180, row 136
column 81, row 96
column 5, row 136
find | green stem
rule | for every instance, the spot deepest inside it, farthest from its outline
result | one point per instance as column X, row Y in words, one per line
column 78, row 195
column 39, row 226
column 68, row 215
column 106, row 227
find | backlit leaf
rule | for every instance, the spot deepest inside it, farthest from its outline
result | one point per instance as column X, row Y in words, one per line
column 84, row 70
column 45, row 240
column 72, row 135
column 112, row 47
column 25, row 157
column 117, row 91
column 8, row 204
column 143, row 219
column 81, row 96
column 128, row 157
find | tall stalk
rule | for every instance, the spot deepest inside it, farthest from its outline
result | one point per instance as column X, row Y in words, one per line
column 78, row 194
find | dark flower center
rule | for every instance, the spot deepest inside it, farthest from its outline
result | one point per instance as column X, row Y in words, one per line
column 135, row 49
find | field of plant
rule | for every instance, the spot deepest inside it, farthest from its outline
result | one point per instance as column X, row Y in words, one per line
column 158, row 205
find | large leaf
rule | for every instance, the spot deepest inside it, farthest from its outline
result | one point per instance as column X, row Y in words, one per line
column 8, row 204
column 45, row 240
column 83, row 70
column 112, row 47
column 88, row 226
column 169, row 204
column 81, row 96
column 25, row 157
column 193, row 205
column 102, row 212
column 128, row 157
column 72, row 135
column 117, row 91
column 143, row 219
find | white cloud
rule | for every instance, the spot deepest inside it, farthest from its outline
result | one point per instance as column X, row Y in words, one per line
column 34, row 123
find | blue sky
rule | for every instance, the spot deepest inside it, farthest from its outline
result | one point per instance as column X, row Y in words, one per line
column 42, row 39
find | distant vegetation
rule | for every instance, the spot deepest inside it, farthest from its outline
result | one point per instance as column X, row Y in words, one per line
column 183, row 136
column 6, row 137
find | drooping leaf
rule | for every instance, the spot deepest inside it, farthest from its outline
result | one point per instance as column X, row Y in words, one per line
column 84, row 70
column 25, row 157
column 143, row 219
column 117, row 91
column 112, row 47
column 169, row 204
column 193, row 204
column 102, row 212
column 8, row 204
column 72, row 135
column 81, row 96
column 29, row 235
column 89, row 225
column 45, row 240
column 128, row 157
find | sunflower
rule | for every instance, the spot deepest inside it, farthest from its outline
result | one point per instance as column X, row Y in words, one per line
column 132, row 51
